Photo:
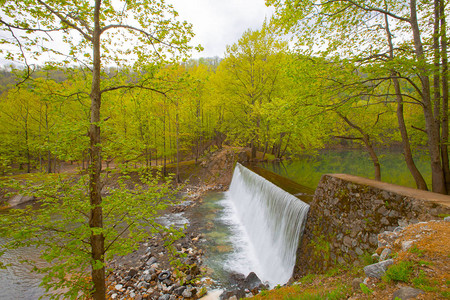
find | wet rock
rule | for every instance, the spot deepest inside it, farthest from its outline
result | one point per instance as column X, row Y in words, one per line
column 253, row 283
column 237, row 278
column 405, row 293
column 377, row 270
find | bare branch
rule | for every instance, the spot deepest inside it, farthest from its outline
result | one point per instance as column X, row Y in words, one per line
column 66, row 21
column 113, row 88
column 420, row 129
column 148, row 35
column 370, row 9
column 347, row 137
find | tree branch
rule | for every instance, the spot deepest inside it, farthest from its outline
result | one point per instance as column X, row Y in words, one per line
column 66, row 21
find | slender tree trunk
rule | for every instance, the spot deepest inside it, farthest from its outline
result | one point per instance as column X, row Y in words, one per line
column 437, row 174
column 418, row 178
column 49, row 162
column 178, row 143
column 368, row 144
column 444, row 59
column 164, row 139
column 285, row 147
column 266, row 145
column 436, row 72
column 96, row 215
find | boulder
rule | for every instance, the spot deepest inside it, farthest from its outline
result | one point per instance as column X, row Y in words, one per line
column 252, row 282
column 19, row 199
column 377, row 270
column 407, row 292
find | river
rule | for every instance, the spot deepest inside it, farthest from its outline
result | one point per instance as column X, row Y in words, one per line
column 308, row 169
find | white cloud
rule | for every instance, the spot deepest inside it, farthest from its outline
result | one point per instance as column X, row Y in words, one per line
column 218, row 23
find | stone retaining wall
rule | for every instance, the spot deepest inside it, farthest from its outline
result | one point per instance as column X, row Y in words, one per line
column 348, row 212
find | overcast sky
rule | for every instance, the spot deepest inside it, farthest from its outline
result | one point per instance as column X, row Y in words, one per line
column 218, row 23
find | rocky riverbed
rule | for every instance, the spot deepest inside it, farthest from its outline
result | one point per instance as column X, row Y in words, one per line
column 156, row 271
column 163, row 268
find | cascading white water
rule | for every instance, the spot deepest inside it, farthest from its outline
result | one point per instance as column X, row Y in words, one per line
column 273, row 221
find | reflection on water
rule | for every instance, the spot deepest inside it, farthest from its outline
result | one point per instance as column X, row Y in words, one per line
column 308, row 169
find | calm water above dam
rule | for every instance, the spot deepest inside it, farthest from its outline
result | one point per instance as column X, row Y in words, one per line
column 309, row 169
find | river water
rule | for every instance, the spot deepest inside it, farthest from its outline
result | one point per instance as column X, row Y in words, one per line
column 17, row 281
column 307, row 170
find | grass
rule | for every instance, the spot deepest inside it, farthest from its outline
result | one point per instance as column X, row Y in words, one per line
column 337, row 293
column 399, row 272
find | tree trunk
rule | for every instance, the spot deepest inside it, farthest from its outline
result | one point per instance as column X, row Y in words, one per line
column 49, row 162
column 96, row 214
column 418, row 178
column 436, row 71
column 164, row 139
column 444, row 134
column 178, row 145
column 285, row 147
column 368, row 144
column 437, row 174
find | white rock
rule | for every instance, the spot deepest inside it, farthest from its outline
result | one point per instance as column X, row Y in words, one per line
column 118, row 287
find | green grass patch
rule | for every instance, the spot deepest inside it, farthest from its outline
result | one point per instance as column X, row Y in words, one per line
column 365, row 289
column 415, row 250
column 399, row 272
column 308, row 278
column 366, row 259
column 338, row 293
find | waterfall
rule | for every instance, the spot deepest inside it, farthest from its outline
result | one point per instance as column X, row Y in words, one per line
column 273, row 221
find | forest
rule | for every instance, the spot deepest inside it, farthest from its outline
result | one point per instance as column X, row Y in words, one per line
column 369, row 73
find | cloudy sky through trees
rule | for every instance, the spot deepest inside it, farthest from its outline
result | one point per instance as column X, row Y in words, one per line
column 216, row 23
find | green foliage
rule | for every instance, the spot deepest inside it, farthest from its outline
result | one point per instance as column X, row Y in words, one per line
column 59, row 226
column 399, row 272
column 415, row 250
column 321, row 247
column 337, row 293
column 366, row 290
column 366, row 259
column 308, row 278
